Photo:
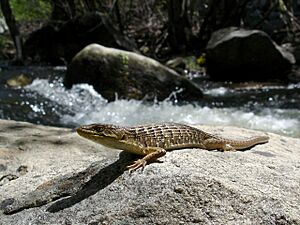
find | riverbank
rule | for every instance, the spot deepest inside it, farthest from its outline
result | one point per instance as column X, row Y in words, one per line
column 51, row 175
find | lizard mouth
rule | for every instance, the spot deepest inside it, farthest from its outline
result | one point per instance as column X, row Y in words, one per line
column 84, row 132
column 88, row 133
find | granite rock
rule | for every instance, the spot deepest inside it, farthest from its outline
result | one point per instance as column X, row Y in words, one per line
column 50, row 175
column 246, row 55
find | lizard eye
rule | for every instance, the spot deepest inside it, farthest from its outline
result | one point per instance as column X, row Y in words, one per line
column 105, row 130
column 98, row 129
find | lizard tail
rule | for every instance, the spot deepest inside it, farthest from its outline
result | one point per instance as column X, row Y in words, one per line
column 244, row 144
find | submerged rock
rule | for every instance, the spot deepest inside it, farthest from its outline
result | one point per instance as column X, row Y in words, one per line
column 19, row 81
column 244, row 55
column 128, row 75
column 69, row 180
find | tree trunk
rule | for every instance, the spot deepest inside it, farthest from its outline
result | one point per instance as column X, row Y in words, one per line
column 178, row 22
column 13, row 28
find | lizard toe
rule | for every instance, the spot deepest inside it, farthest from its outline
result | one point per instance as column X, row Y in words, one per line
column 141, row 163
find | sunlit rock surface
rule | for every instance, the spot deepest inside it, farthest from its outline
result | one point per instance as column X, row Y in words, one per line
column 50, row 175
column 246, row 55
column 121, row 74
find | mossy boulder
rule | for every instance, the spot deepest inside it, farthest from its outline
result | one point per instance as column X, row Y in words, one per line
column 128, row 75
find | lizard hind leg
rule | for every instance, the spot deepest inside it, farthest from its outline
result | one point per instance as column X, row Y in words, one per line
column 152, row 154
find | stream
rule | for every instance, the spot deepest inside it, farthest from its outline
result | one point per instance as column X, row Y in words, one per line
column 272, row 107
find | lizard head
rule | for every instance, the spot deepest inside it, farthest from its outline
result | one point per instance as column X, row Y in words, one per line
column 97, row 132
column 100, row 131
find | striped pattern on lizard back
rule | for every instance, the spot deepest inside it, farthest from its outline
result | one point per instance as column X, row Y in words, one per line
column 167, row 136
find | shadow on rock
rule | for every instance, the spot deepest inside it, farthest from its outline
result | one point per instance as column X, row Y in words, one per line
column 79, row 187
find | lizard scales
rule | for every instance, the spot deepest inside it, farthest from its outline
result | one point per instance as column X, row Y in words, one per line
column 154, row 140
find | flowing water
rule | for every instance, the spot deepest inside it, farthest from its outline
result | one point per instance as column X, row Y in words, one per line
column 268, row 107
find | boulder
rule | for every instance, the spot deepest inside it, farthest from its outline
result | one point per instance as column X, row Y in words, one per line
column 246, row 55
column 50, row 175
column 128, row 75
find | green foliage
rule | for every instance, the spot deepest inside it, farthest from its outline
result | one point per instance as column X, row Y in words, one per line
column 281, row 6
column 26, row 10
column 202, row 60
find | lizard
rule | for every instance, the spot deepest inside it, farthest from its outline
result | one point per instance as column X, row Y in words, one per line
column 153, row 140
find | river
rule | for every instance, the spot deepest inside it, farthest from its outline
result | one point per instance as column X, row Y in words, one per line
column 272, row 107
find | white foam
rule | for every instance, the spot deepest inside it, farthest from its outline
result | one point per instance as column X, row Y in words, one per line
column 87, row 106
column 82, row 97
column 216, row 91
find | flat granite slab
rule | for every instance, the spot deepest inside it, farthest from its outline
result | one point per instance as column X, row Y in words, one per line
column 50, row 175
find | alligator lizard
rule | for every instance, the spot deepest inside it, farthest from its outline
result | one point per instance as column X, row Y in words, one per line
column 152, row 141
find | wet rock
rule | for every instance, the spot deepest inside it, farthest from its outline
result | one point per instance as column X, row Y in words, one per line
column 178, row 64
column 245, row 55
column 19, row 81
column 295, row 50
column 295, row 75
column 80, row 182
column 128, row 75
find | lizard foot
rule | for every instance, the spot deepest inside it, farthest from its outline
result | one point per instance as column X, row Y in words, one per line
column 137, row 164
column 228, row 147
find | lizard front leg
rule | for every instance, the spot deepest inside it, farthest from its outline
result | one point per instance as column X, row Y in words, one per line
column 152, row 153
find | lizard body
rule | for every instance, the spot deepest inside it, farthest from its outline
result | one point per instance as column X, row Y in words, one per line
column 152, row 141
